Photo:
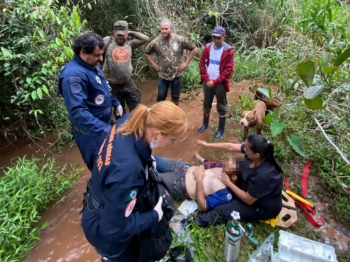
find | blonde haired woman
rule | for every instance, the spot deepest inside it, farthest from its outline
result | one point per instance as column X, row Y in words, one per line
column 111, row 217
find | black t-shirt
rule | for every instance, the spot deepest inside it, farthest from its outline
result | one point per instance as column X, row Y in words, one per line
column 262, row 182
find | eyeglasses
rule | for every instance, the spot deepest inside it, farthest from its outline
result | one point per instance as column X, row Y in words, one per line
column 216, row 37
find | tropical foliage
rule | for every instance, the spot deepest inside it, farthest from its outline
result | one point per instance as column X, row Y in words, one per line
column 35, row 44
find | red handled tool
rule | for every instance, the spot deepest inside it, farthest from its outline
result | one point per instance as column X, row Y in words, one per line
column 311, row 214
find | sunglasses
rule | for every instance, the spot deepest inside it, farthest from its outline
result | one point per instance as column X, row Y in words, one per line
column 216, row 37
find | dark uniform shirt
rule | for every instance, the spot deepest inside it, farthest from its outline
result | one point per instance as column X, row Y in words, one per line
column 89, row 101
column 262, row 182
column 117, row 181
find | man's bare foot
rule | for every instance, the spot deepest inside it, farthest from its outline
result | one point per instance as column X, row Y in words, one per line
column 198, row 157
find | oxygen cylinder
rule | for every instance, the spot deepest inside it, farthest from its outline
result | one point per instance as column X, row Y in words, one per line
column 232, row 239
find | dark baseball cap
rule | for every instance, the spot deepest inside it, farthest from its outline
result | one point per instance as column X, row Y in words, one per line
column 218, row 31
column 121, row 27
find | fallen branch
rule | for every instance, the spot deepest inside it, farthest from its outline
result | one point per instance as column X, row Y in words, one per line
column 331, row 142
column 344, row 186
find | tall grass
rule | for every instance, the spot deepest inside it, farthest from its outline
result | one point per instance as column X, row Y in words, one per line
column 26, row 189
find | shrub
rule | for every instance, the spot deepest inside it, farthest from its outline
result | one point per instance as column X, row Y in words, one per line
column 35, row 44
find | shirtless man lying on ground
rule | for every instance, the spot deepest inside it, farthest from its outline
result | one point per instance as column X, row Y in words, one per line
column 196, row 182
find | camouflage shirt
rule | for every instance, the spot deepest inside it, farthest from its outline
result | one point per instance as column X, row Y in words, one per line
column 169, row 54
column 117, row 67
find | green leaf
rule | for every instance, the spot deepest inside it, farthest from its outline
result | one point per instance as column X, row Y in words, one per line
column 39, row 93
column 329, row 69
column 306, row 72
column 314, row 104
column 325, row 58
column 297, row 144
column 268, row 119
column 313, row 91
column 58, row 20
column 6, row 52
column 33, row 94
column 13, row 99
column 276, row 113
column 342, row 57
column 41, row 33
column 44, row 70
column 36, row 111
column 68, row 52
column 59, row 41
column 265, row 92
column 29, row 80
column 89, row 6
column 45, row 89
column 277, row 127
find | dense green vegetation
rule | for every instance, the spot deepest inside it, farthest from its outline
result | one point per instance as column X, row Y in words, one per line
column 300, row 46
column 26, row 189
column 35, row 44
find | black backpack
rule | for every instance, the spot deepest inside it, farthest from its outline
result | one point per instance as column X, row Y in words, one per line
column 154, row 244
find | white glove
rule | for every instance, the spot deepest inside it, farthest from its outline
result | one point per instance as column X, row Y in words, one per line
column 120, row 110
column 159, row 209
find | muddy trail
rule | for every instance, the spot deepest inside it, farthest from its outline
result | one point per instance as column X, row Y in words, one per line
column 63, row 240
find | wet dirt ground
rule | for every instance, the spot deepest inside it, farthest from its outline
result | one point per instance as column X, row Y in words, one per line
column 63, row 240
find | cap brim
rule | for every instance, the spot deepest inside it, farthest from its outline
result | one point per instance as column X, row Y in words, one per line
column 217, row 34
column 120, row 32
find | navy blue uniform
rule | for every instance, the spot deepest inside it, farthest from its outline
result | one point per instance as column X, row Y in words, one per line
column 89, row 104
column 262, row 182
column 117, row 181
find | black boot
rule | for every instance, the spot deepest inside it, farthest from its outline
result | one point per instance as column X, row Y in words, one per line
column 176, row 102
column 205, row 123
column 221, row 128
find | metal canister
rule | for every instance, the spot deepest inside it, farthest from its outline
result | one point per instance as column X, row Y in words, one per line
column 232, row 241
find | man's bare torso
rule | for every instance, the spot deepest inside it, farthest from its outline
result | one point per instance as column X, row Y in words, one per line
column 211, row 181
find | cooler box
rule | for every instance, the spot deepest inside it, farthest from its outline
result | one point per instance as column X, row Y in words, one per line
column 293, row 248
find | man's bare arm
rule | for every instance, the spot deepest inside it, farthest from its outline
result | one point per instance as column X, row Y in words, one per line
column 200, row 196
column 243, row 195
column 139, row 39
column 188, row 60
column 153, row 64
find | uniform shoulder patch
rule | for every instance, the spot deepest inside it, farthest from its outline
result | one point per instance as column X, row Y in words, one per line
column 130, row 207
column 132, row 195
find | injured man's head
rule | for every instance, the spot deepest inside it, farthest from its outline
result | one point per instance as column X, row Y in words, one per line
column 233, row 168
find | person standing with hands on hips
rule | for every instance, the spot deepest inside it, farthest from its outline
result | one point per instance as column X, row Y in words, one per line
column 216, row 66
column 87, row 96
column 117, row 67
column 112, row 217
column 169, row 49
